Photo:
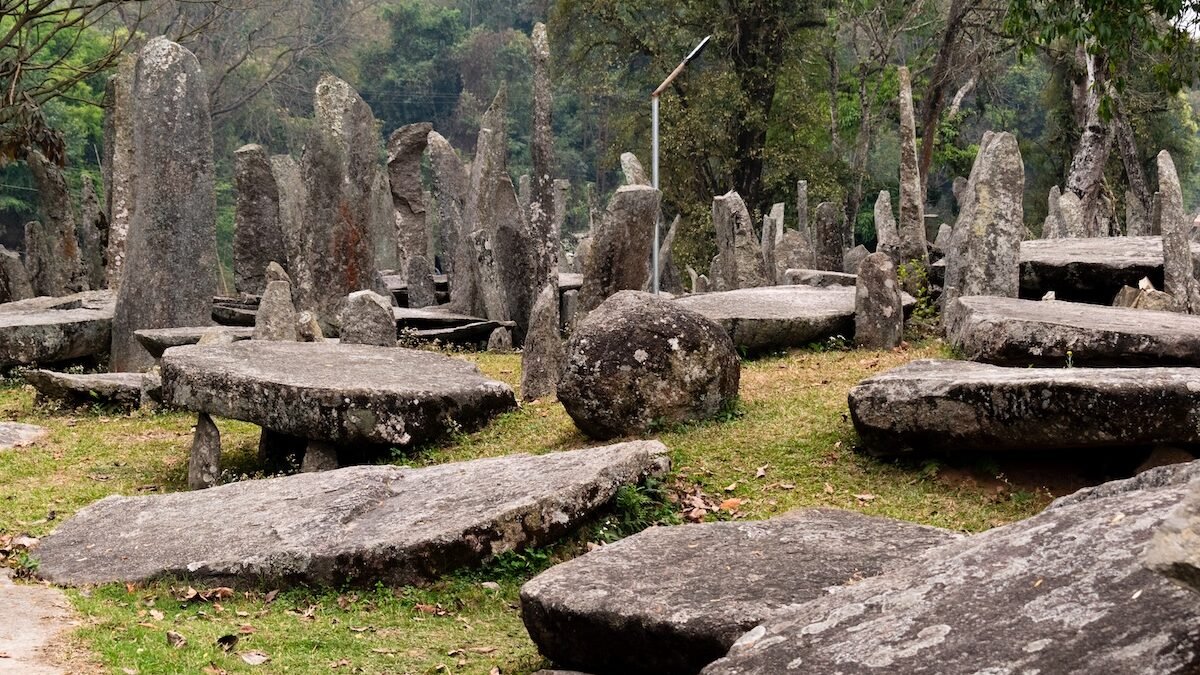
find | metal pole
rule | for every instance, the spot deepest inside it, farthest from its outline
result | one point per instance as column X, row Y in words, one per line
column 654, row 180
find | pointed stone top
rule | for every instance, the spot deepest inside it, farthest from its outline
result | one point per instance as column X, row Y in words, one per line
column 635, row 173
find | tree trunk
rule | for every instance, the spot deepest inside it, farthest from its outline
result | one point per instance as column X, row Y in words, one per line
column 1095, row 145
column 935, row 97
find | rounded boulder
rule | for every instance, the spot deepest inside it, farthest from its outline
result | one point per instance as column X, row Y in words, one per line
column 638, row 360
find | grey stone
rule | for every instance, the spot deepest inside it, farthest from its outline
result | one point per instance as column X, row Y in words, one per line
column 122, row 390
column 36, row 619
column 1137, row 216
column 853, row 258
column 1008, row 331
column 802, row 206
column 18, row 435
column 1174, row 551
column 827, row 237
column 308, row 329
column 1070, row 216
column 421, row 290
column 367, row 319
column 772, row 235
column 14, row 278
column 204, row 463
column 275, row 272
column 120, row 170
column 741, row 256
column 878, row 304
column 449, row 194
column 319, row 456
column 51, row 330
column 1089, row 270
column 1054, row 227
column 1061, row 592
column 1178, row 277
column 406, row 146
column 51, row 245
column 290, row 186
column 341, row 393
column 669, row 279
column 90, row 233
column 276, row 318
column 358, row 525
column 820, row 278
column 169, row 276
column 793, row 251
column 633, row 171
column 912, row 192
column 639, row 360
column 568, row 310
column 957, row 187
column 158, row 340
column 676, row 598
column 542, row 353
column 886, row 232
column 489, row 287
column 620, row 245
column 500, row 340
column 258, row 232
column 543, row 220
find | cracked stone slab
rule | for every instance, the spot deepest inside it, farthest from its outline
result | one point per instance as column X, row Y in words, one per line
column 50, row 330
column 954, row 407
column 1062, row 592
column 117, row 389
column 357, row 525
column 1013, row 332
column 676, row 598
column 158, row 340
column 18, row 435
column 334, row 392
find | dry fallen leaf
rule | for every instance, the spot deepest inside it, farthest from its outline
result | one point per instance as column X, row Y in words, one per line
column 176, row 640
column 731, row 504
column 255, row 658
column 227, row 642
column 156, row 615
column 828, row 489
column 213, row 669
column 865, row 497
column 731, row 487
column 762, row 471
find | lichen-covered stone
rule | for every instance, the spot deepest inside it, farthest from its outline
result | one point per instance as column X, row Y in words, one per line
column 1089, row 270
column 51, row 330
column 122, row 390
column 742, row 263
column 14, row 277
column 912, row 191
column 828, row 237
column 204, row 462
column 886, row 233
column 406, row 147
column 367, row 319
column 449, row 194
column 1178, row 278
column 258, row 232
column 158, row 340
column 620, row 247
column 878, row 304
column 632, row 171
column 542, row 353
column 420, row 286
column 91, row 232
column 1174, row 551
column 51, row 245
column 276, row 317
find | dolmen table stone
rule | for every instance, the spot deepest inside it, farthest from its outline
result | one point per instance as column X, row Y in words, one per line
column 342, row 394
column 823, row 278
column 1089, row 270
column 1014, row 332
column 121, row 390
column 357, row 525
column 959, row 407
column 48, row 330
column 158, row 340
column 676, row 598
column 1062, row 592
column 235, row 311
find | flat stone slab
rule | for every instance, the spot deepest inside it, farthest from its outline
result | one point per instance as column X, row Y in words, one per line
column 467, row 333
column 123, row 390
column 1089, row 270
column 18, row 435
column 676, row 598
column 955, row 407
column 158, row 340
column 778, row 317
column 1062, row 592
column 34, row 616
column 569, row 281
column 806, row 277
column 50, row 330
column 425, row 318
column 357, row 525
column 334, row 392
column 1008, row 331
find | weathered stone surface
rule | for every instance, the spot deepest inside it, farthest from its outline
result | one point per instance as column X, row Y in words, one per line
column 290, row 184
column 500, row 340
column 276, row 318
column 307, row 328
column 568, row 310
column 1089, row 270
column 17, row 435
column 542, row 354
column 822, row 278
column 420, row 287
column 1007, row 331
column 204, row 462
column 1061, row 592
column 802, row 206
column 319, row 456
column 853, row 258
column 984, row 257
column 336, row 392
column 169, row 276
column 357, row 525
column 827, row 237
column 158, row 340
column 878, row 304
column 941, row 243
column 120, row 170
column 954, row 407
column 51, row 246
column 676, row 598
column 639, row 360
column 669, row 279
column 123, row 390
column 35, row 617
column 1178, row 278
column 406, row 147
column 543, row 221
column 14, row 278
column 772, row 234
column 367, row 319
column 620, row 246
column 886, row 232
column 632, row 169
column 449, row 194
column 912, row 191
column 1069, row 215
column 741, row 256
column 258, row 232
column 235, row 311
column 793, row 251
column 1174, row 551
column 91, row 232
column 1137, row 216
column 51, row 330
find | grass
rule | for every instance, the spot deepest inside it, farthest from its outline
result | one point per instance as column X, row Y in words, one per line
column 788, row 444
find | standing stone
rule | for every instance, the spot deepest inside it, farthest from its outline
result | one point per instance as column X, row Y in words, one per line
column 772, row 235
column 802, row 206
column 276, row 318
column 170, row 268
column 542, row 354
column 258, row 233
column 90, row 235
column 14, row 278
column 888, row 237
column 368, row 319
column 52, row 255
column 449, row 194
column 568, row 310
column 853, row 258
column 1137, row 219
column 985, row 253
column 421, row 292
column 633, row 171
column 878, row 304
column 543, row 221
column 1070, row 216
column 204, row 465
column 500, row 340
column 489, row 282
column 406, row 146
column 319, row 456
column 912, row 200
column 1156, row 214
column 1178, row 279
column 340, row 168
column 120, row 173
column 307, row 328
column 1053, row 227
column 957, row 188
column 669, row 279
column 523, row 194
column 794, row 251
column 827, row 237
column 289, row 185
column 621, row 245
column 562, row 192
column 741, row 256
column 941, row 244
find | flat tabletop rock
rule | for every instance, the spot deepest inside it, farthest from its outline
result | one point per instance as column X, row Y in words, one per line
column 49, row 330
column 1009, row 331
column 357, row 525
column 17, row 435
column 953, row 407
column 431, row 317
column 334, row 392
column 121, row 389
column 676, row 598
column 158, row 340
column 1063, row 592
column 807, row 277
column 1092, row 269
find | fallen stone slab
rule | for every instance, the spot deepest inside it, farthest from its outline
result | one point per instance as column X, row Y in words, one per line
column 1061, row 592
column 1089, row 270
column 676, row 598
column 47, row 330
column 956, row 407
column 426, row 318
column 358, row 525
column 334, row 392
column 233, row 312
column 121, row 390
column 18, row 435
column 467, row 333
column 822, row 278
column 569, row 281
column 777, row 317
column 1014, row 332
column 34, row 617
column 158, row 340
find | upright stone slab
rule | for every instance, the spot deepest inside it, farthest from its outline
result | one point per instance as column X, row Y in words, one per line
column 276, row 318
column 290, row 185
column 1178, row 277
column 367, row 319
column 14, row 278
column 51, row 249
column 912, row 196
column 258, row 232
column 542, row 355
column 741, row 256
column 852, row 258
column 792, row 251
column 621, row 246
column 406, row 146
column 421, row 291
column 772, row 234
column 887, row 236
column 802, row 206
column 985, row 254
column 339, row 168
column 1053, row 227
column 170, row 268
column 543, row 222
column 941, row 243
column 90, row 233
column 632, row 170
column 878, row 305
column 120, row 171
column 1137, row 216
column 204, row 464
column 669, row 279
column 827, row 237
column 449, row 194
column 1070, row 216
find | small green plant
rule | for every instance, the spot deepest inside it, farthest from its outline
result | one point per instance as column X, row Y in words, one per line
column 914, row 279
column 1070, row 359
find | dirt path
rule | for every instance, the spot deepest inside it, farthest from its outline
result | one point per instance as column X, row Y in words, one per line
column 31, row 617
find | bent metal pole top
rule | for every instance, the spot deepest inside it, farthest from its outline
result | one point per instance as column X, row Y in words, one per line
column 679, row 69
